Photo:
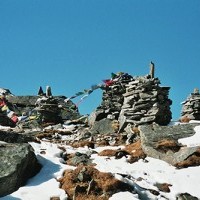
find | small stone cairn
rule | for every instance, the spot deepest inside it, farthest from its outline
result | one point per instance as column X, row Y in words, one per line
column 48, row 107
column 191, row 107
column 135, row 100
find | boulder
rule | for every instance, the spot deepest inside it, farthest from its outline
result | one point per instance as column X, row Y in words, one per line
column 12, row 137
column 6, row 121
column 104, row 126
column 80, row 158
column 161, row 142
column 18, row 163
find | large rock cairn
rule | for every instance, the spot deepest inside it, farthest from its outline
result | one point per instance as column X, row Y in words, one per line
column 191, row 107
column 135, row 100
column 112, row 100
column 145, row 102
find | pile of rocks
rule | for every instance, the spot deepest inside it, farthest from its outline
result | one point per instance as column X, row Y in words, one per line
column 49, row 110
column 134, row 100
column 145, row 102
column 112, row 100
column 191, row 107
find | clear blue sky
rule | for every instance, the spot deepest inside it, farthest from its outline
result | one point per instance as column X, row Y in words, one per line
column 73, row 44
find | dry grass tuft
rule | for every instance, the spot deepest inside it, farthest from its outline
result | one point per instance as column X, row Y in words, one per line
column 62, row 148
column 193, row 160
column 91, row 184
column 185, row 119
column 83, row 144
column 108, row 152
column 168, row 144
column 90, row 197
column 136, row 130
column 103, row 142
column 163, row 187
column 136, row 151
column 55, row 198
column 44, row 135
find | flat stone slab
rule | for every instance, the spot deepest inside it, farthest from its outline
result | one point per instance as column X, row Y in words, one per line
column 152, row 134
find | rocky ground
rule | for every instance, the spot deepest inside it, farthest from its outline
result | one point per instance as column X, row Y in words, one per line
column 84, row 180
column 103, row 156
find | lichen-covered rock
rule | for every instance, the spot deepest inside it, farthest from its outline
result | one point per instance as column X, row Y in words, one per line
column 17, row 164
column 104, row 126
column 161, row 142
column 12, row 137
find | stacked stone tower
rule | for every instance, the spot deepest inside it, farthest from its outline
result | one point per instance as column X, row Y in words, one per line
column 135, row 100
column 112, row 100
column 145, row 102
column 191, row 107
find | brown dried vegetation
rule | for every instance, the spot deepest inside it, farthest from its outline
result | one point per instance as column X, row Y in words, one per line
column 136, row 151
column 55, row 198
column 44, row 135
column 163, row 187
column 91, row 184
column 103, row 142
column 168, row 144
column 193, row 160
column 136, row 130
column 83, row 144
column 108, row 152
column 185, row 119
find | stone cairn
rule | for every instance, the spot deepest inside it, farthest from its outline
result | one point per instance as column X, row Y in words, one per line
column 48, row 107
column 135, row 100
column 191, row 107
column 112, row 100
column 145, row 102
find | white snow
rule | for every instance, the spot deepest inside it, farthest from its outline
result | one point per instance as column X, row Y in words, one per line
column 143, row 174
column 193, row 140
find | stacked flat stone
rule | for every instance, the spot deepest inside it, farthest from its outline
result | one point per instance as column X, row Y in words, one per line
column 135, row 100
column 48, row 109
column 112, row 100
column 145, row 102
column 191, row 107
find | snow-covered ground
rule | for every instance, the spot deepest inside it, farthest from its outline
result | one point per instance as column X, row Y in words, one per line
column 150, row 171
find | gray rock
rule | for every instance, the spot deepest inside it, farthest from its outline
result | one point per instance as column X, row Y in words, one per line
column 12, row 137
column 96, row 116
column 6, row 121
column 18, row 163
column 186, row 196
column 148, row 95
column 191, row 107
column 104, row 126
column 26, row 105
column 81, row 158
column 152, row 134
column 148, row 119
